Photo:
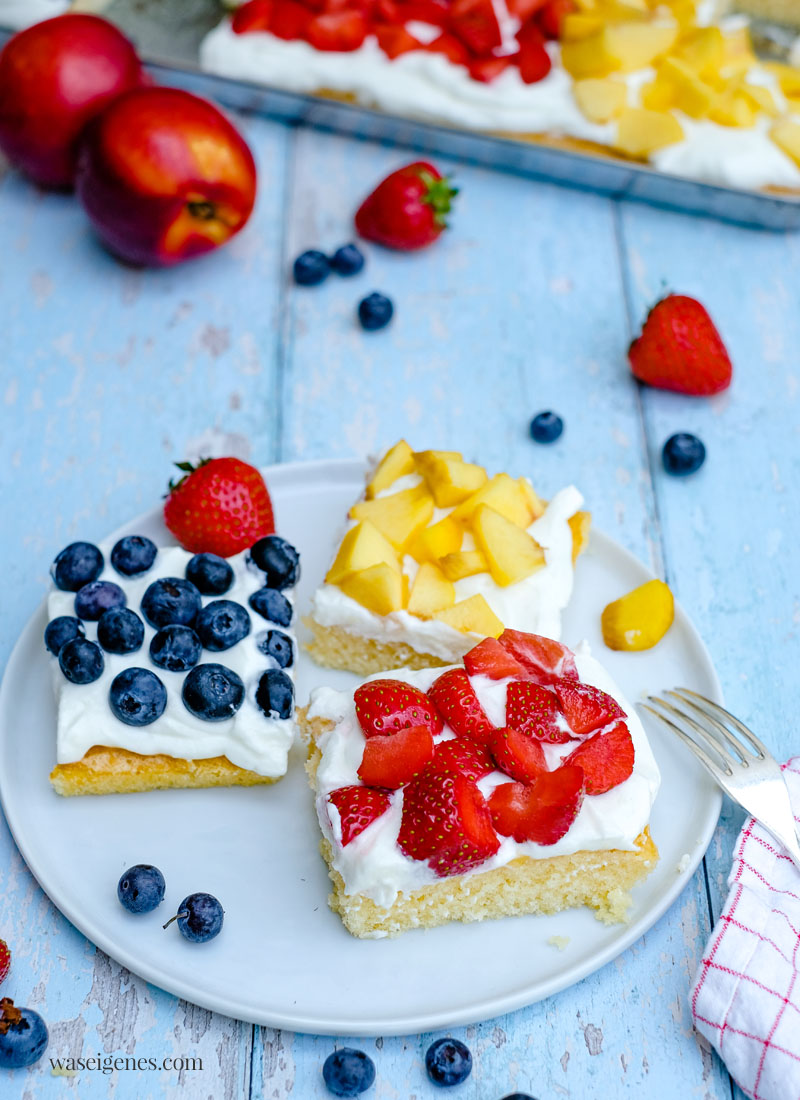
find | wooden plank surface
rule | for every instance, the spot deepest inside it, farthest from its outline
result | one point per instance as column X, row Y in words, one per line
column 110, row 374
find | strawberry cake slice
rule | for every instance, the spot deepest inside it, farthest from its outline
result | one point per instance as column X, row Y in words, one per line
column 437, row 555
column 519, row 782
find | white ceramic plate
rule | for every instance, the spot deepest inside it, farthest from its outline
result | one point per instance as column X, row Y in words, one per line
column 283, row 959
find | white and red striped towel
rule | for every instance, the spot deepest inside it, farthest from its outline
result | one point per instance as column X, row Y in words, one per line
column 746, row 997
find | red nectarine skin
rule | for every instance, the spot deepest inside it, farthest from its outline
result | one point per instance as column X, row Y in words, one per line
column 54, row 76
column 164, row 176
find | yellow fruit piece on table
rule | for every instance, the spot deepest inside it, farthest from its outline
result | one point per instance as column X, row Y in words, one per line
column 431, row 591
column 397, row 462
column 658, row 95
column 362, row 546
column 588, row 56
column 640, row 132
column 452, row 480
column 577, row 25
column 786, row 136
column 688, row 92
column 535, row 503
column 759, row 98
column 432, row 543
column 472, row 616
column 788, row 77
column 600, row 98
column 502, row 493
column 640, row 619
column 731, row 108
column 580, row 524
column 636, row 45
column 378, row 588
column 463, row 564
column 702, row 49
column 738, row 55
column 400, row 516
column 512, row 554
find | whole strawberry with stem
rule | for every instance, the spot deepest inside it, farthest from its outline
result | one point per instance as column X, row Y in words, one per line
column 221, row 506
column 680, row 349
column 5, row 960
column 407, row 210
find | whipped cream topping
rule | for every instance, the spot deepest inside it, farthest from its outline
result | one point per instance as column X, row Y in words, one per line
column 533, row 604
column 250, row 739
column 373, row 864
column 431, row 88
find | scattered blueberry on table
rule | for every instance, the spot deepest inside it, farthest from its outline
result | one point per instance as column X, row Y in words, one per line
column 141, row 888
column 275, row 694
column 97, row 597
column 175, row 648
column 311, row 268
column 683, row 454
column 199, row 917
column 171, row 600
column 61, row 630
column 546, row 427
column 77, row 564
column 375, row 311
column 23, row 1035
column 278, row 559
column 278, row 646
column 210, row 574
column 347, row 260
column 221, row 624
column 448, row 1062
column 272, row 605
column 120, row 630
column 81, row 661
column 212, row 692
column 133, row 554
column 137, row 697
column 519, row 1096
column 348, row 1072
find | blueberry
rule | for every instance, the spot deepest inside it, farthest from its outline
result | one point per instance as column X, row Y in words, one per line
column 276, row 644
column 23, row 1035
column 77, row 565
column 311, row 268
column 120, row 630
column 210, row 574
column 61, row 630
column 448, row 1062
column 348, row 1072
column 141, row 888
column 272, row 605
column 275, row 694
column 546, row 427
column 213, row 692
column 199, row 918
column 221, row 624
column 97, row 597
column 519, row 1096
column 81, row 661
column 137, row 697
column 347, row 260
column 278, row 559
column 683, row 454
column 375, row 311
column 171, row 600
column 133, row 555
column 175, row 648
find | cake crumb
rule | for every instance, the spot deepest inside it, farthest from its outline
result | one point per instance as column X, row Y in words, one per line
column 61, row 1071
column 683, row 863
column 559, row 941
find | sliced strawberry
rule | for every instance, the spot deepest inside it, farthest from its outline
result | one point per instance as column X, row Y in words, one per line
column 5, row 960
column 451, row 47
column 532, row 709
column 395, row 41
column 586, row 708
column 542, row 811
column 517, row 754
column 394, row 759
column 606, row 759
column 358, row 807
column 456, row 701
column 487, row 69
column 337, row 32
column 383, row 706
column 533, row 58
column 446, row 822
column 475, row 23
column 253, row 16
column 289, row 20
column 551, row 17
column 462, row 756
column 491, row 659
column 544, row 659
column 524, row 9
column 433, row 12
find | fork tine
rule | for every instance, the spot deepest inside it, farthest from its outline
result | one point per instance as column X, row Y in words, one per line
column 698, row 750
column 717, row 731
column 714, row 709
column 707, row 740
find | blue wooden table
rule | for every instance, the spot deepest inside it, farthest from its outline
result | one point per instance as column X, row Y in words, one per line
column 110, row 374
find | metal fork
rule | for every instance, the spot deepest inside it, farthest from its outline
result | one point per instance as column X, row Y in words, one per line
column 746, row 771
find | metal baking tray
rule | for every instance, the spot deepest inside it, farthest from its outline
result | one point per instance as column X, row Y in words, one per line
column 168, row 35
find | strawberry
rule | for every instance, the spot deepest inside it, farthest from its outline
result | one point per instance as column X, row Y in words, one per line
column 533, row 59
column 606, row 758
column 517, row 754
column 551, row 17
column 586, row 708
column 434, row 12
column 220, row 506
column 680, row 349
column 542, row 811
column 475, row 23
column 384, row 706
column 253, row 16
column 485, row 70
column 524, row 9
column 289, row 20
column 452, row 48
column 463, row 757
column 446, row 822
column 395, row 758
column 338, row 32
column 544, row 659
column 395, row 41
column 532, row 709
column 5, row 960
column 358, row 807
column 455, row 699
column 406, row 210
column 489, row 658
